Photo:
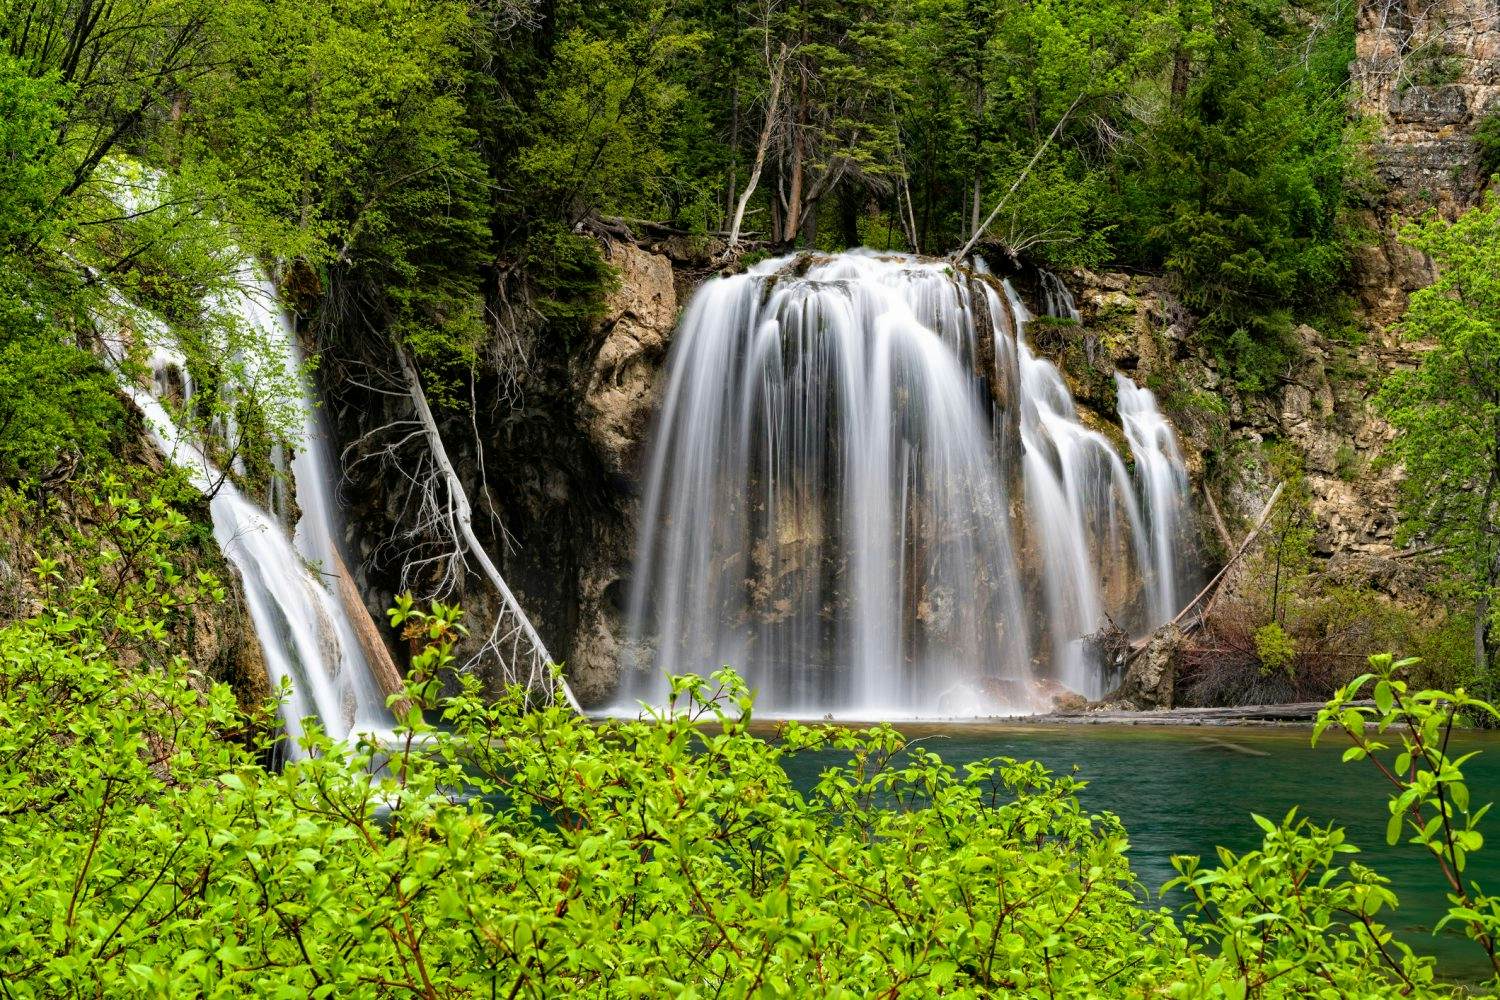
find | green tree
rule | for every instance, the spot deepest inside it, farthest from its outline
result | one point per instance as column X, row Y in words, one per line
column 1244, row 185
column 1447, row 412
column 342, row 132
column 55, row 399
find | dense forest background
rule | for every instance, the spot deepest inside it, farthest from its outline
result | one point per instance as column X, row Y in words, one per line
column 439, row 187
column 433, row 172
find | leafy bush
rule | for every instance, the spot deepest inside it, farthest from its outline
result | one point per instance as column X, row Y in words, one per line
column 518, row 853
column 1487, row 136
column 1431, row 804
column 1275, row 648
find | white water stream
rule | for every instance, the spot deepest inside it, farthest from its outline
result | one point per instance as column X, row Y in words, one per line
column 306, row 634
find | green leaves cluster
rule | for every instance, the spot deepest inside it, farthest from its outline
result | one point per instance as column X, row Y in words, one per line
column 492, row 850
column 1447, row 411
column 1430, row 803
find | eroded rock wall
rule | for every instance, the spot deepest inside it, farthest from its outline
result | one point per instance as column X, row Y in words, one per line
column 550, row 454
column 1426, row 74
column 1321, row 410
column 618, row 379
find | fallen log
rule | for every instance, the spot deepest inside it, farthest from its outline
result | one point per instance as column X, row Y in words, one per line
column 525, row 643
column 1203, row 601
column 376, row 654
column 1219, row 525
column 1290, row 712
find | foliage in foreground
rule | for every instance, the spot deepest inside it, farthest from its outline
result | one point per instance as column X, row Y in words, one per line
column 146, row 853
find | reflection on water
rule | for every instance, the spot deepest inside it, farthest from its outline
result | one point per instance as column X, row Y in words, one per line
column 1186, row 790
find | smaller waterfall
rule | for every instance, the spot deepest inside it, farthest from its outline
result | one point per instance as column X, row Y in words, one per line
column 1164, row 487
column 1082, row 511
column 1057, row 300
column 306, row 633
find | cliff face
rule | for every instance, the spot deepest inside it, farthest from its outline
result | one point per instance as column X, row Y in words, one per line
column 1321, row 411
column 617, row 380
column 550, row 457
column 1426, row 73
column 557, row 454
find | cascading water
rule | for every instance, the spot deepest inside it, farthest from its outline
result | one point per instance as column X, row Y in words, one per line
column 871, row 497
column 1081, row 511
column 306, row 632
column 1164, row 487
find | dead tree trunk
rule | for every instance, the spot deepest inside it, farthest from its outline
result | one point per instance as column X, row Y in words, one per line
column 995, row 212
column 523, row 656
column 1205, row 598
column 760, row 149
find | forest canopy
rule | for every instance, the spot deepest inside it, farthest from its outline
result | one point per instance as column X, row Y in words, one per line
column 425, row 172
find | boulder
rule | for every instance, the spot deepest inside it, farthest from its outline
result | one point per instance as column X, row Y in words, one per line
column 1151, row 679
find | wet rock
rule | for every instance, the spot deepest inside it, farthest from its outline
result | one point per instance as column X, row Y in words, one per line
column 1150, row 680
column 619, row 382
column 623, row 381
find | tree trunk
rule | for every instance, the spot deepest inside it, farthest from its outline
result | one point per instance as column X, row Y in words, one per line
column 760, row 149
column 1182, row 68
column 908, row 218
column 793, row 220
column 974, row 206
column 461, row 520
column 974, row 238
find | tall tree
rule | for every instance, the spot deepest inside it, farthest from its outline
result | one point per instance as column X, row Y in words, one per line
column 1447, row 412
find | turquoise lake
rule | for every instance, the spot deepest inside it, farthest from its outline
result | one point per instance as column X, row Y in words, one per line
column 1186, row 790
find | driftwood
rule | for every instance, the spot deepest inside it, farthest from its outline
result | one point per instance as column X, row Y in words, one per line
column 1219, row 525
column 376, row 653
column 1202, row 603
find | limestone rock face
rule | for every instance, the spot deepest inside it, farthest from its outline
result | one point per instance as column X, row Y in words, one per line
column 622, row 384
column 619, row 380
column 1426, row 74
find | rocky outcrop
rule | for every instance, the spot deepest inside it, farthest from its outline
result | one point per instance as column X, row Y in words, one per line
column 619, row 379
column 1321, row 410
column 1426, row 74
column 1150, row 680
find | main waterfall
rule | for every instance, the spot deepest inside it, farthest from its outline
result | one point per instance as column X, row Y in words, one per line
column 871, row 497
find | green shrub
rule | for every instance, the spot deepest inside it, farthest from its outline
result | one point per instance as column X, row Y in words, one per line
column 1487, row 136
column 146, row 856
column 569, row 275
column 1275, row 648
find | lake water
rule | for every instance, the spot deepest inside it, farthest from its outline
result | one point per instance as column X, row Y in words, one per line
column 1187, row 790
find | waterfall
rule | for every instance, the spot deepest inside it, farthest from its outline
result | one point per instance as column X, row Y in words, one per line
column 306, row 631
column 1081, row 509
column 870, row 496
column 1164, row 486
